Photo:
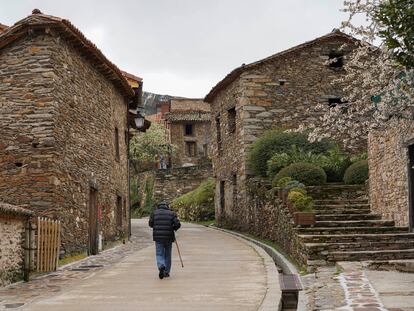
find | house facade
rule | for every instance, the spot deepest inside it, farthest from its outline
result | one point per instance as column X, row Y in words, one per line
column 188, row 124
column 391, row 171
column 64, row 129
column 277, row 92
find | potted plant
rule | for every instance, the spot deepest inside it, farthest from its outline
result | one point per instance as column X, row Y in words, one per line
column 303, row 214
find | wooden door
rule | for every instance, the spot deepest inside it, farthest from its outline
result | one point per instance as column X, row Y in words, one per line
column 93, row 222
column 411, row 185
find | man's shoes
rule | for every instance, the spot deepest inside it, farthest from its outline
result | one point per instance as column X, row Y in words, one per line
column 166, row 275
column 162, row 272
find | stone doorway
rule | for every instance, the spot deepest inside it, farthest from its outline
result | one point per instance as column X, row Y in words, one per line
column 93, row 222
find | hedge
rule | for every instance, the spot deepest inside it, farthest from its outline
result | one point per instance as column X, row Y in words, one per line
column 309, row 174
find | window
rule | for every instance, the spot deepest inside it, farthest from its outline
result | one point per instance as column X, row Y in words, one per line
column 234, row 179
column 218, row 134
column 188, row 130
column 205, row 150
column 118, row 211
column 336, row 60
column 231, row 115
column 335, row 101
column 191, row 149
column 116, row 144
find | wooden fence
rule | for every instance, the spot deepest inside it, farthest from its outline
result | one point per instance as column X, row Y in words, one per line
column 48, row 244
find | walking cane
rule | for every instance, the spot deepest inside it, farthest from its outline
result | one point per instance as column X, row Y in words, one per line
column 179, row 254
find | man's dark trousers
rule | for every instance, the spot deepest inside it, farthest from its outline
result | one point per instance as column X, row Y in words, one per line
column 163, row 252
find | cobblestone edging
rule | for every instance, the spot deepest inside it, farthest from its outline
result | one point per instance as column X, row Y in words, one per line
column 278, row 259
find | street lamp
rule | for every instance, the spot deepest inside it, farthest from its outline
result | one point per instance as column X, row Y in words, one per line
column 139, row 121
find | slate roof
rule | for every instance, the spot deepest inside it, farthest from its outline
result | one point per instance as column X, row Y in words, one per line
column 3, row 27
column 233, row 75
column 13, row 210
column 69, row 32
column 199, row 116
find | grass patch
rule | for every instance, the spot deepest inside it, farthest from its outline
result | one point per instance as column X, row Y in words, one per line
column 72, row 258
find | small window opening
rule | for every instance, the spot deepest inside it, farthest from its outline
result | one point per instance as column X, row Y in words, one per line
column 336, row 60
column 18, row 164
column 117, row 144
column 234, row 179
column 188, row 128
column 191, row 149
column 335, row 101
column 35, row 144
column 218, row 134
column 282, row 82
column 232, row 120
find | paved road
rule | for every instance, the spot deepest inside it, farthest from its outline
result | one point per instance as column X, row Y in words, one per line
column 221, row 273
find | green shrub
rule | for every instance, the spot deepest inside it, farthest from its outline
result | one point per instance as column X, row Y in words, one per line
column 359, row 157
column 309, row 174
column 297, row 189
column 196, row 205
column 277, row 141
column 300, row 200
column 303, row 203
column 293, row 184
column 357, row 173
column 335, row 163
column 276, row 163
column 283, row 182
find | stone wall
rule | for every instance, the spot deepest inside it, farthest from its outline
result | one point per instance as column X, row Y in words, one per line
column 27, row 107
column 11, row 250
column 12, row 238
column 267, row 218
column 89, row 110
column 57, row 126
column 172, row 183
column 281, row 92
column 388, row 171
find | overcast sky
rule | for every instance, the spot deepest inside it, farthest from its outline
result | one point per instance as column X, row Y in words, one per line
column 184, row 47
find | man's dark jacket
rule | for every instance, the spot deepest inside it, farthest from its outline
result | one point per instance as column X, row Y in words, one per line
column 164, row 222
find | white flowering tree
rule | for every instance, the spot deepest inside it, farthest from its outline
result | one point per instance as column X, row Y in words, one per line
column 379, row 78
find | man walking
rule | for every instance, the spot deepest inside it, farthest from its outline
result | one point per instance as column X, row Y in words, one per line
column 164, row 222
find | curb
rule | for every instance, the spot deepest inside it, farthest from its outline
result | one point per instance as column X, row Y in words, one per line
column 273, row 298
column 278, row 259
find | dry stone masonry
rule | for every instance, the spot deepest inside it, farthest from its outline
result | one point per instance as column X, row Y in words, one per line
column 63, row 129
column 12, row 234
column 280, row 91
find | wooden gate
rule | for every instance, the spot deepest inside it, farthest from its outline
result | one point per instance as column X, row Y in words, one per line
column 48, row 244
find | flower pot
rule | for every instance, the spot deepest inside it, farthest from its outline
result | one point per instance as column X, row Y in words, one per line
column 304, row 218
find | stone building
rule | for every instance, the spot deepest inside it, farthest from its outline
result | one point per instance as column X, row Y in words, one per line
column 276, row 92
column 188, row 126
column 12, row 234
column 64, row 128
column 391, row 175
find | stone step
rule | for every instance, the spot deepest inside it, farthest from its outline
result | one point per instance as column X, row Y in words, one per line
column 355, row 223
column 341, row 206
column 341, row 211
column 350, row 230
column 352, row 238
column 340, row 202
column 371, row 255
column 337, row 191
column 320, row 250
column 344, row 217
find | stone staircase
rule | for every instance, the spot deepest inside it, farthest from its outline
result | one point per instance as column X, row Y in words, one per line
column 347, row 230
